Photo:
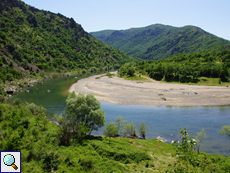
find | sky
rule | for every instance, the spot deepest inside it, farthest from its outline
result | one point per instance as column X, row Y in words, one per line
column 212, row 16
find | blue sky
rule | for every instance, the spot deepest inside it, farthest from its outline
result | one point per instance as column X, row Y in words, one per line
column 95, row 15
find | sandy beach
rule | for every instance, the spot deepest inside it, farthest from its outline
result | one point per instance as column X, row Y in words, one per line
column 126, row 92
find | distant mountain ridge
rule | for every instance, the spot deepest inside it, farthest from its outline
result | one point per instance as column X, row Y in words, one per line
column 33, row 40
column 159, row 41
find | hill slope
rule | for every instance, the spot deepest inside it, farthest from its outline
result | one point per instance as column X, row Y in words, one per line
column 160, row 41
column 35, row 40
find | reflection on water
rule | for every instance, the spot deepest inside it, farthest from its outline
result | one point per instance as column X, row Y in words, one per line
column 162, row 120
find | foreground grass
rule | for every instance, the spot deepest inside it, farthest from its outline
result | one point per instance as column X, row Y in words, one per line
column 120, row 155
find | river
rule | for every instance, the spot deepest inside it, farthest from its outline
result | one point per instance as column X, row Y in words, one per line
column 162, row 120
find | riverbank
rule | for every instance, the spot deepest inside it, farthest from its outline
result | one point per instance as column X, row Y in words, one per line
column 12, row 87
column 125, row 92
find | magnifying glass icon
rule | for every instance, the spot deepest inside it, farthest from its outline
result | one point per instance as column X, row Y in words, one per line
column 9, row 160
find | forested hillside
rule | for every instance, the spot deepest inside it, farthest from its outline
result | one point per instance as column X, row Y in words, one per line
column 160, row 41
column 33, row 40
column 185, row 67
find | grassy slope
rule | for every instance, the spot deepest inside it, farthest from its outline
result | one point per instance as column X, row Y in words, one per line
column 160, row 41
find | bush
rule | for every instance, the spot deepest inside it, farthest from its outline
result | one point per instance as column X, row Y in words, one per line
column 50, row 161
column 86, row 162
column 185, row 148
column 121, row 152
column 110, row 130
column 35, row 109
column 9, row 77
column 130, row 71
column 129, row 128
column 143, row 128
column 2, row 95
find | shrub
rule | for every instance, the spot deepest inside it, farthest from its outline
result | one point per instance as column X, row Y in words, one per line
column 121, row 152
column 86, row 162
column 50, row 161
column 129, row 128
column 130, row 71
column 143, row 128
column 35, row 109
column 185, row 148
column 110, row 130
column 2, row 95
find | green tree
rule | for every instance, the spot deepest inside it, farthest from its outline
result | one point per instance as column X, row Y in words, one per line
column 225, row 130
column 143, row 128
column 185, row 148
column 110, row 130
column 2, row 95
column 224, row 73
column 129, row 128
column 130, row 71
column 36, row 109
column 68, row 130
column 122, row 71
column 64, row 134
column 200, row 136
column 85, row 109
column 9, row 77
column 119, row 123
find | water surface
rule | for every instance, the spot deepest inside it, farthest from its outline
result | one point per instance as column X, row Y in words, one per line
column 162, row 120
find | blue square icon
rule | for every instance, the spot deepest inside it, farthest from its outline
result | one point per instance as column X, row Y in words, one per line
column 10, row 161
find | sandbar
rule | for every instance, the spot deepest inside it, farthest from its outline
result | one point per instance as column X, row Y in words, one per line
column 126, row 92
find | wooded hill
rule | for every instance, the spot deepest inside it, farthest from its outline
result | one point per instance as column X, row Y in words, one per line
column 160, row 41
column 37, row 40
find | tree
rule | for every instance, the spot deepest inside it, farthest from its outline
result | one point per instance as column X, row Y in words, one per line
column 200, row 136
column 110, row 130
column 64, row 129
column 130, row 71
column 86, row 110
column 119, row 123
column 9, row 77
column 2, row 95
column 224, row 74
column 36, row 109
column 185, row 148
column 129, row 128
column 143, row 128
column 225, row 130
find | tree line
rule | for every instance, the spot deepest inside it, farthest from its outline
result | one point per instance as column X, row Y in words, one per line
column 184, row 67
